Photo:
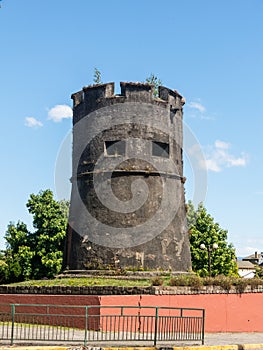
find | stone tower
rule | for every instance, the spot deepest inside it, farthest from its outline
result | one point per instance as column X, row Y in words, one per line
column 127, row 203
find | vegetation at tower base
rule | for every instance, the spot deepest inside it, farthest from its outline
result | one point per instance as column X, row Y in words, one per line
column 204, row 231
column 38, row 254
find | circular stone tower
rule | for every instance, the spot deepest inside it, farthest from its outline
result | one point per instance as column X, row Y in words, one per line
column 127, row 203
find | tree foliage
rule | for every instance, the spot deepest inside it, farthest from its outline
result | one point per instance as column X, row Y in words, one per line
column 3, row 271
column 259, row 271
column 155, row 81
column 204, row 231
column 18, row 253
column 37, row 254
column 97, row 76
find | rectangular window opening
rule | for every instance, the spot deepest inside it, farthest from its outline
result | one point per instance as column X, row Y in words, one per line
column 115, row 148
column 160, row 149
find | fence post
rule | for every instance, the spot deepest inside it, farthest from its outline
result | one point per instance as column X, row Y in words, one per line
column 86, row 324
column 181, row 312
column 156, row 326
column 13, row 322
column 203, row 327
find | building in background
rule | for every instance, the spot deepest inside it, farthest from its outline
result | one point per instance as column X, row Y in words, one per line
column 246, row 269
column 256, row 258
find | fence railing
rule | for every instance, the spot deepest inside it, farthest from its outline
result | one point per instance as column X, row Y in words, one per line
column 93, row 324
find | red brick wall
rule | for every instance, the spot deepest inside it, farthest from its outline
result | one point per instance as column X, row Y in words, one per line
column 71, row 317
column 224, row 312
column 49, row 299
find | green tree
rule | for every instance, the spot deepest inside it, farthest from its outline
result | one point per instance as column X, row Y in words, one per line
column 259, row 272
column 97, row 76
column 3, row 271
column 50, row 222
column 204, row 234
column 18, row 255
column 37, row 254
column 156, row 82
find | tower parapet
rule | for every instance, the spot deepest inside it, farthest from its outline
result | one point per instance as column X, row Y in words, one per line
column 100, row 95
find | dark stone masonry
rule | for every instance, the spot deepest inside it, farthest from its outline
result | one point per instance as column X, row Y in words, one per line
column 114, row 290
column 127, row 202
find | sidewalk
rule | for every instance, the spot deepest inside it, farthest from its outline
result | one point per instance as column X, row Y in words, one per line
column 213, row 341
column 233, row 338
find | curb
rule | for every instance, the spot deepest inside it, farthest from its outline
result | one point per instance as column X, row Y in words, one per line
column 201, row 347
column 221, row 347
column 211, row 347
column 32, row 347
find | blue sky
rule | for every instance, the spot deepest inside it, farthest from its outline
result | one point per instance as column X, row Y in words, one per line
column 210, row 51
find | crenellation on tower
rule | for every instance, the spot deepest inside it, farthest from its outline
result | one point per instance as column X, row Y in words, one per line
column 94, row 94
column 137, row 92
column 77, row 98
column 100, row 95
column 98, row 91
column 173, row 98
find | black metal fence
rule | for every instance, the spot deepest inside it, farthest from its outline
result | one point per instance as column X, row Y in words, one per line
column 93, row 324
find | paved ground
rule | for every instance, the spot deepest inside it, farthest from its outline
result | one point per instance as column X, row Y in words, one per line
column 233, row 338
column 211, row 339
column 215, row 340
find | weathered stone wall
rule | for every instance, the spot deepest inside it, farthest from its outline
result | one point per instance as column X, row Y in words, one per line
column 96, row 291
column 103, row 233
column 67, row 290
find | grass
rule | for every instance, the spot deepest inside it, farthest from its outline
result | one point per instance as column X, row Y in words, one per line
column 86, row 281
column 192, row 281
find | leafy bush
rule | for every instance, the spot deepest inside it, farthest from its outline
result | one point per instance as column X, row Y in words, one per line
column 256, row 282
column 178, row 281
column 190, row 281
column 259, row 271
column 241, row 284
column 225, row 282
column 3, row 271
column 157, row 281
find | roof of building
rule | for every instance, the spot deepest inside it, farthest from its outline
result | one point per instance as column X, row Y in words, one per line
column 250, row 257
column 255, row 256
column 245, row 265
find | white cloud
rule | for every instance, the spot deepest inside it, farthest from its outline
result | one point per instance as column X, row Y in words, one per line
column 222, row 144
column 245, row 251
column 241, row 161
column 219, row 157
column 60, row 112
column 198, row 106
column 32, row 122
column 257, row 241
column 211, row 164
column 248, row 246
column 197, row 110
column 206, row 117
